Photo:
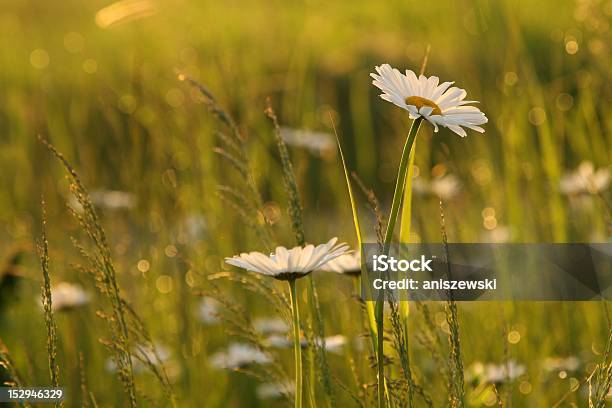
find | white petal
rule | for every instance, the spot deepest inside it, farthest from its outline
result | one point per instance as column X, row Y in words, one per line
column 412, row 109
column 281, row 258
column 430, row 120
column 432, row 83
column 413, row 82
column 426, row 110
column 305, row 256
column 458, row 130
column 440, row 90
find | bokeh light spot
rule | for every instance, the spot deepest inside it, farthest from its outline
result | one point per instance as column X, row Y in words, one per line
column 571, row 47
column 537, row 116
column 39, row 58
column 525, row 387
column 127, row 103
column 488, row 212
column 74, row 42
column 90, row 66
column 143, row 265
column 170, row 251
column 175, row 98
column 564, row 102
column 164, row 284
column 490, row 223
column 510, row 78
column 514, row 337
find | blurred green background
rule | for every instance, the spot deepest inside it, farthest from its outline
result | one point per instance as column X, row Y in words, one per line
column 99, row 80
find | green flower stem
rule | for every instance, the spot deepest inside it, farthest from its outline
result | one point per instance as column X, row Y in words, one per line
column 400, row 182
column 395, row 206
column 297, row 347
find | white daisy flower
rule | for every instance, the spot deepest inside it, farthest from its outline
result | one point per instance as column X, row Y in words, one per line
column 585, row 180
column 270, row 326
column 68, row 296
column 439, row 104
column 494, row 373
column 278, row 341
column 333, row 344
column 319, row 143
column 347, row 264
column 570, row 363
column 287, row 264
column 142, row 358
column 445, row 187
column 275, row 390
column 208, row 311
column 112, row 200
column 239, row 355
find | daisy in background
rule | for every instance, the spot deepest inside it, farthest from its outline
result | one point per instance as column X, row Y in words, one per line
column 144, row 357
column 239, row 355
column 289, row 265
column 334, row 344
column 320, row 143
column 112, row 200
column 439, row 104
column 585, row 180
column 445, row 187
column 479, row 373
column 68, row 296
column 265, row 325
column 275, row 390
column 561, row 365
column 208, row 311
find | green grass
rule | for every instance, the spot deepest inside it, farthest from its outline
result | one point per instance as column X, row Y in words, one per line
column 132, row 126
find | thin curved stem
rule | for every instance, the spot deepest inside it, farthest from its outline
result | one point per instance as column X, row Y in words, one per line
column 395, row 206
column 297, row 347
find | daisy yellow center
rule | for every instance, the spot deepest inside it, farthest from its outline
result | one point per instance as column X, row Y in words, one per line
column 420, row 102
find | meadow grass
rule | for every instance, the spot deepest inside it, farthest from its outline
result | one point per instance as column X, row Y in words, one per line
column 208, row 186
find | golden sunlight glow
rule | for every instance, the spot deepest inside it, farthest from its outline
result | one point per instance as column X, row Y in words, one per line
column 124, row 11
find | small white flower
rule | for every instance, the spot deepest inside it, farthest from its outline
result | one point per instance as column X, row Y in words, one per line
column 333, row 344
column 194, row 226
column 347, row 264
column 285, row 264
column 107, row 199
column 278, row 341
column 494, row 373
column 67, row 296
column 319, row 143
column 439, row 104
column 570, row 363
column 445, row 187
column 585, row 180
column 142, row 357
column 275, row 390
column 270, row 326
column 113, row 199
column 208, row 311
column 237, row 356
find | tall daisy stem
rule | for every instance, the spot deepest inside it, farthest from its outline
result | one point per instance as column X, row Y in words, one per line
column 400, row 182
column 395, row 206
column 297, row 348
